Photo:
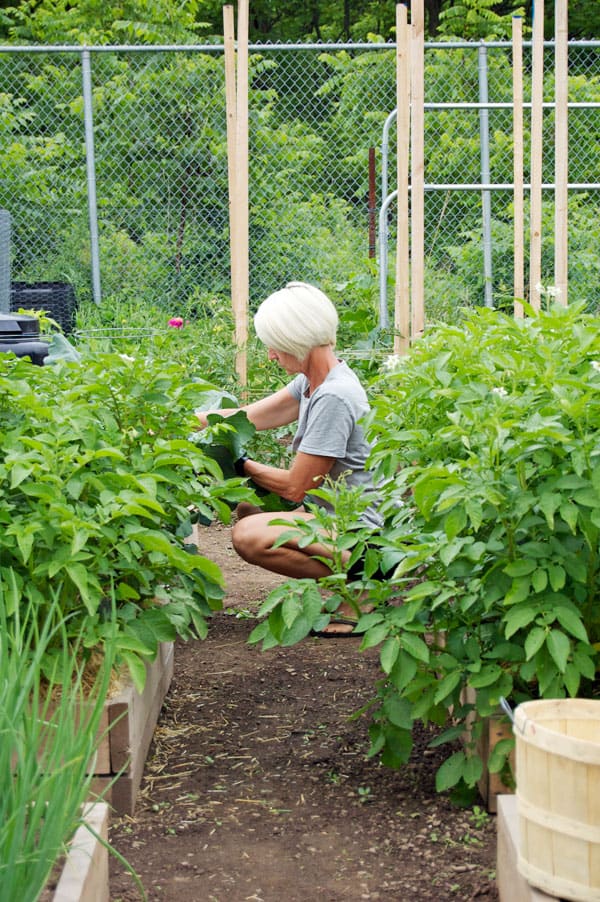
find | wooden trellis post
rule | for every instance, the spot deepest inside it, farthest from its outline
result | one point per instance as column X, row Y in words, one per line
column 561, row 144
column 236, row 96
column 417, row 195
column 402, row 292
column 535, row 213
column 518, row 207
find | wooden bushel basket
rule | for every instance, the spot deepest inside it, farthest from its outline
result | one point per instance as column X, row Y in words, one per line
column 558, row 796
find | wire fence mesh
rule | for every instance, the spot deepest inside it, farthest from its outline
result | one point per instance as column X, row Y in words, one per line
column 159, row 149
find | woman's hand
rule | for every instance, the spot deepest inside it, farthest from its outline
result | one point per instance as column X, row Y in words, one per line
column 203, row 415
column 278, row 409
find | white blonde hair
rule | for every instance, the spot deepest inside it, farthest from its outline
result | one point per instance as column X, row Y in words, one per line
column 296, row 319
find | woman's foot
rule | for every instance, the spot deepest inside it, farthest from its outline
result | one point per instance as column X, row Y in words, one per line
column 343, row 622
column 245, row 509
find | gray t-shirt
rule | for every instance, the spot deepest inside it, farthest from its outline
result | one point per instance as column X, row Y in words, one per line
column 328, row 426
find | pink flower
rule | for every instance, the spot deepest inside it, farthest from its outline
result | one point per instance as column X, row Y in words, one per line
column 176, row 322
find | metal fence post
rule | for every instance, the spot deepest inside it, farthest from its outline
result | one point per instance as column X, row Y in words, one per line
column 90, row 163
column 4, row 261
column 384, row 319
column 486, row 205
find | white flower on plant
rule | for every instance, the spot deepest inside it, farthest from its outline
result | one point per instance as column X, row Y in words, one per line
column 500, row 391
column 392, row 363
column 127, row 358
column 596, row 365
column 548, row 291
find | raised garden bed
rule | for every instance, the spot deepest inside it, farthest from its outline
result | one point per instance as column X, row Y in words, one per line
column 493, row 730
column 84, row 876
column 512, row 886
column 127, row 728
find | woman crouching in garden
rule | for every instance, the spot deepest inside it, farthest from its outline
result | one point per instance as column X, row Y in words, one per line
column 298, row 326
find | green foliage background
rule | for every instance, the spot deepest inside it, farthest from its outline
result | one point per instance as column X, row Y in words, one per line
column 161, row 152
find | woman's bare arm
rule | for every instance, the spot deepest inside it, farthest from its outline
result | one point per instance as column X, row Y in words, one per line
column 278, row 409
column 306, row 473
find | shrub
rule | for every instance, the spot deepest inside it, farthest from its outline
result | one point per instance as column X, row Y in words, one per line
column 486, row 446
column 98, row 488
column 487, row 437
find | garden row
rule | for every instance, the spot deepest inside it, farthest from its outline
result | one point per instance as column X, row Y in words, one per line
column 485, row 442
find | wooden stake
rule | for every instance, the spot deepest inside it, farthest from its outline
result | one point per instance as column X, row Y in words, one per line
column 230, row 91
column 236, row 96
column 537, row 97
column 519, row 219
column 417, row 198
column 561, row 145
column 402, row 292
column 240, row 262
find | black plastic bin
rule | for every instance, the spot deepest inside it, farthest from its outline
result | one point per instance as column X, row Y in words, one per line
column 57, row 298
column 20, row 334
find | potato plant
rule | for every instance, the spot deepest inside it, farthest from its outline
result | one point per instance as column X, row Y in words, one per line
column 99, row 486
column 486, row 446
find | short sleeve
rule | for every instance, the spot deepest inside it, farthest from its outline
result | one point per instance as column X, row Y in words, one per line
column 328, row 427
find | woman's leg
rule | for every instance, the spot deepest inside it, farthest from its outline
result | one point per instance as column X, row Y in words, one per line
column 253, row 538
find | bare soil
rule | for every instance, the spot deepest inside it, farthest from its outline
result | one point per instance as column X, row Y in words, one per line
column 258, row 789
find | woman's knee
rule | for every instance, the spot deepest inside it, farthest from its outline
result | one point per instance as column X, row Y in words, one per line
column 244, row 538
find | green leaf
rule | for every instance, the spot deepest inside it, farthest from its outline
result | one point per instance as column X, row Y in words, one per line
column 534, row 641
column 389, row 653
column 557, row 576
column 486, row 676
column 572, row 623
column 572, row 679
column 130, row 642
column 299, row 630
column 290, row 610
column 585, row 664
column 374, row 636
column 10, row 590
column 549, row 502
column 559, row 647
column 19, row 473
column 569, row 512
column 451, row 771
column 587, row 497
column 80, row 537
column 90, row 594
column 403, row 671
column 539, row 580
column 447, row 685
column 500, row 754
column 398, row 711
column 259, row 633
column 137, row 669
column 455, row 521
column 519, row 591
column 449, row 735
column 517, row 618
column 415, row 646
column 522, row 567
column 473, row 770
column 200, row 624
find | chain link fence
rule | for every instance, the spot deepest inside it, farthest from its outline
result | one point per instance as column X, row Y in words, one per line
column 151, row 151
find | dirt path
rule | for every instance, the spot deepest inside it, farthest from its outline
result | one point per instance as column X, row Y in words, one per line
column 257, row 787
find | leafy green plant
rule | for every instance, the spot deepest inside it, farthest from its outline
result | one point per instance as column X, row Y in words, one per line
column 50, row 731
column 487, row 439
column 99, row 487
column 485, row 446
column 298, row 606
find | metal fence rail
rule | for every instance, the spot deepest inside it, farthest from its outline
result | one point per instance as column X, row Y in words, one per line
column 113, row 168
